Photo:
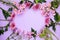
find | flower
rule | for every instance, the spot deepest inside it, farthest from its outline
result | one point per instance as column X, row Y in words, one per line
column 36, row 6
column 12, row 25
column 47, row 21
column 25, row 23
column 12, row 16
column 28, row 4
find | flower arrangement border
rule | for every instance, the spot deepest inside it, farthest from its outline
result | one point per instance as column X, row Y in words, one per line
column 54, row 5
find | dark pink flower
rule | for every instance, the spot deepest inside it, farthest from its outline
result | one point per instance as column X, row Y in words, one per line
column 12, row 25
column 28, row 4
column 35, row 7
column 12, row 16
column 29, row 35
column 47, row 21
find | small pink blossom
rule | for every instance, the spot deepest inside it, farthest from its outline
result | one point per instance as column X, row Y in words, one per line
column 36, row 6
column 19, row 12
column 47, row 21
column 43, row 12
column 22, row 7
column 29, row 35
column 14, row 11
column 28, row 4
column 12, row 16
column 16, row 4
column 49, row 5
column 12, row 25
column 48, row 9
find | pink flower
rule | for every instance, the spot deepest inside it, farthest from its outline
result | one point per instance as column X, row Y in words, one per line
column 12, row 25
column 43, row 12
column 47, row 21
column 29, row 34
column 16, row 4
column 28, row 4
column 19, row 12
column 36, row 6
column 12, row 16
column 49, row 5
column 46, row 5
column 22, row 7
column 15, row 11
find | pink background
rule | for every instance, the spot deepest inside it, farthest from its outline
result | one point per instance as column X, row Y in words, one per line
column 6, row 34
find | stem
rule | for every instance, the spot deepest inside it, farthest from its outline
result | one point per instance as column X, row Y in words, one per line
column 57, row 23
column 36, row 1
column 20, row 37
column 28, row 38
column 9, row 36
column 8, row 3
column 34, row 38
column 52, row 34
column 2, row 27
column 4, row 20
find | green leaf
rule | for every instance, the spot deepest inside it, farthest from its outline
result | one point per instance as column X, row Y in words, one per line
column 55, row 4
column 32, row 30
column 1, row 32
column 8, row 3
column 52, row 25
column 10, row 9
column 57, row 17
column 6, row 29
column 43, row 34
column 48, row 38
column 5, row 13
column 21, row 1
column 39, row 1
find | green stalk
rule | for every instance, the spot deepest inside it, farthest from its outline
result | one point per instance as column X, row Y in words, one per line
column 9, row 36
column 52, row 34
column 8, row 3
column 34, row 38
column 58, row 1
column 36, row 1
column 22, row 0
column 4, row 20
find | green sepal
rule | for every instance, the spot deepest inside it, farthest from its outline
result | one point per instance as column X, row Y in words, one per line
column 32, row 30
column 55, row 4
column 6, row 27
column 39, row 1
column 57, row 17
column 1, row 31
column 5, row 13
column 10, row 9
column 43, row 34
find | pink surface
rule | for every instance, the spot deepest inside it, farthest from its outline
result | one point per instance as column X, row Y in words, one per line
column 24, row 21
